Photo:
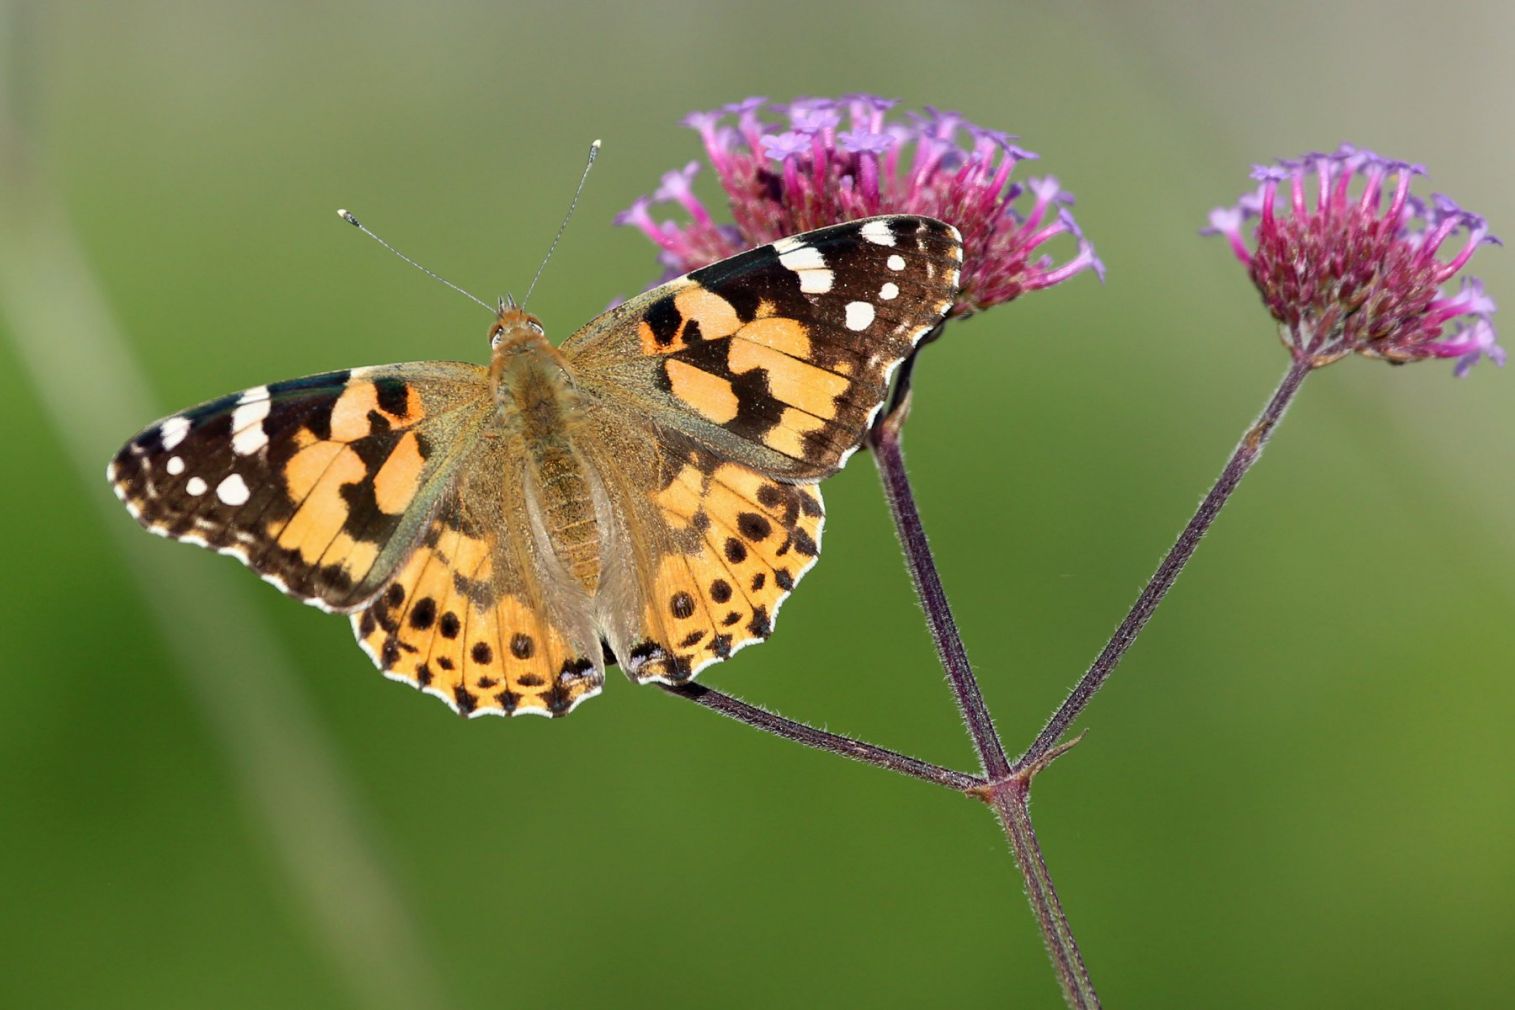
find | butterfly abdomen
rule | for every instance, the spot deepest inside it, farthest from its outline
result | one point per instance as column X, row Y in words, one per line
column 566, row 505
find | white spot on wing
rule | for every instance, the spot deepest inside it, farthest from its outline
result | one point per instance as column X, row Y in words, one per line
column 247, row 422
column 195, row 487
column 802, row 257
column 896, row 262
column 175, row 466
column 807, row 262
column 889, row 292
column 859, row 315
column 815, row 282
column 878, row 233
column 233, row 490
column 173, row 430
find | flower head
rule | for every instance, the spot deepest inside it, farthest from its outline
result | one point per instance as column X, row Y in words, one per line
column 788, row 168
column 1363, row 268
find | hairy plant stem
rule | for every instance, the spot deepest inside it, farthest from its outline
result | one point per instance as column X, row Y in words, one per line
column 884, row 440
column 835, row 743
column 1245, row 454
column 1010, row 799
column 1007, row 790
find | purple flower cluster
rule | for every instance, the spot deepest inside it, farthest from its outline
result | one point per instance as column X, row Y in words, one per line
column 1360, row 271
column 818, row 161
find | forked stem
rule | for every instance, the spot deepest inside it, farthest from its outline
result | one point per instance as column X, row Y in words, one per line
column 1006, row 788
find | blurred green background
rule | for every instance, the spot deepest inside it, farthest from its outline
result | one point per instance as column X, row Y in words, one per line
column 1297, row 791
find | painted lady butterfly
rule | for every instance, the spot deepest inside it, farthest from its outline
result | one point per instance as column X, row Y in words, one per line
column 642, row 495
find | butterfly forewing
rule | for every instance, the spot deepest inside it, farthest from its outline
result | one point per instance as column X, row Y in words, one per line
column 319, row 484
column 778, row 357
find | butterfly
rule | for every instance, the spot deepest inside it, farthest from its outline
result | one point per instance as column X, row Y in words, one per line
column 643, row 495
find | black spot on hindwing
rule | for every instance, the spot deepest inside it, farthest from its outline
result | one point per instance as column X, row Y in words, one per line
column 423, row 613
column 753, row 526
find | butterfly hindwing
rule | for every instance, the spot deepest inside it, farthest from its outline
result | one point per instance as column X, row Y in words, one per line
column 779, row 357
column 710, row 550
column 319, row 484
column 475, row 615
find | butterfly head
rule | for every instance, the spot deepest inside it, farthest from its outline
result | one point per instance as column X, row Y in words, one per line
column 516, row 331
column 523, row 366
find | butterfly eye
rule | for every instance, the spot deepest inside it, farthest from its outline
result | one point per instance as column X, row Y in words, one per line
column 495, row 336
column 536, row 327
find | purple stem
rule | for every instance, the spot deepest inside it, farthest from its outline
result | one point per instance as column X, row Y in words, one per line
column 884, row 439
column 1010, row 800
column 857, row 750
column 1247, row 453
column 1006, row 790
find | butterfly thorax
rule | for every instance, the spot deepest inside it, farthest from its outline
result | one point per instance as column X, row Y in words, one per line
column 538, row 403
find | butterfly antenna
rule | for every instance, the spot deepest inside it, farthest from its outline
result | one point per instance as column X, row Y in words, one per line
column 347, row 216
column 594, row 150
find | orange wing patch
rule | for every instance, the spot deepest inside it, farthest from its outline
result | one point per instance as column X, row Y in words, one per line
column 398, row 480
column 692, row 314
column 314, row 479
column 749, row 541
column 708, row 395
column 787, row 335
column 791, row 380
column 445, row 626
column 712, row 315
